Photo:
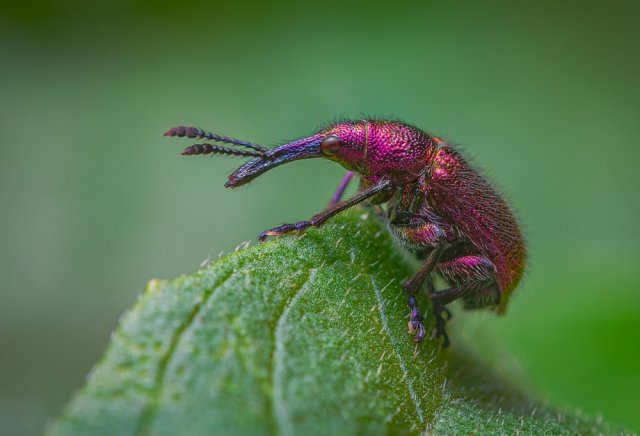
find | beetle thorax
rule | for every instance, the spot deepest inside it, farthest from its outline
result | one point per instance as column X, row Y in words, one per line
column 396, row 151
column 383, row 149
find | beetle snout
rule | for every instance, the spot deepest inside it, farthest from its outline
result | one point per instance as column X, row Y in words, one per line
column 306, row 148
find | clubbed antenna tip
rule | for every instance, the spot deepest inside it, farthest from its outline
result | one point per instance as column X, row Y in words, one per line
column 189, row 132
column 189, row 151
column 194, row 132
column 197, row 149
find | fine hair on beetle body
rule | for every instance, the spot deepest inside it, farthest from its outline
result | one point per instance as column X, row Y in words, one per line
column 436, row 204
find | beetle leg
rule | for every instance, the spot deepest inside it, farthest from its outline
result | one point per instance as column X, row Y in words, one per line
column 320, row 218
column 413, row 285
column 337, row 196
column 421, row 234
column 474, row 280
column 439, row 329
column 449, row 295
column 416, row 325
column 473, row 277
column 285, row 228
column 410, row 220
column 438, row 301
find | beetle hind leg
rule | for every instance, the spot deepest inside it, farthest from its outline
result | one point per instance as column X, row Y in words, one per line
column 474, row 281
column 439, row 330
column 473, row 278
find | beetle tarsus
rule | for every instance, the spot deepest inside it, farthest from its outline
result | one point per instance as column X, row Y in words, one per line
column 416, row 325
column 283, row 229
column 195, row 132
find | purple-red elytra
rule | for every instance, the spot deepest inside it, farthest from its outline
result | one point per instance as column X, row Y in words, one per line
column 435, row 204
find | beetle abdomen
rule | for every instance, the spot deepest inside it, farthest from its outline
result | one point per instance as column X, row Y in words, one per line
column 467, row 200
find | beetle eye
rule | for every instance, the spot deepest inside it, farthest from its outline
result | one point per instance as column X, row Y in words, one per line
column 330, row 145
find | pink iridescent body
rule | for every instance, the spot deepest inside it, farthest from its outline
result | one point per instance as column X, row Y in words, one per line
column 442, row 184
column 465, row 198
column 435, row 203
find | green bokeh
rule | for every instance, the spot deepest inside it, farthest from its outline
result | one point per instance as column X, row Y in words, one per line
column 95, row 201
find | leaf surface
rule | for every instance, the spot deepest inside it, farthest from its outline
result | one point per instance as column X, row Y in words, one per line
column 301, row 335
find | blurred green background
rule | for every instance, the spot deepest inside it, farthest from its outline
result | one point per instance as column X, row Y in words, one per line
column 95, row 202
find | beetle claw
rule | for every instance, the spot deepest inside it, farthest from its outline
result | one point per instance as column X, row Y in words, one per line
column 416, row 326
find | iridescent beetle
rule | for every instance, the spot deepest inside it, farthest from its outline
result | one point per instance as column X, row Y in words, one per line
column 437, row 205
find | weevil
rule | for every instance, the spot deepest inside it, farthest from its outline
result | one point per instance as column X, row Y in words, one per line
column 435, row 203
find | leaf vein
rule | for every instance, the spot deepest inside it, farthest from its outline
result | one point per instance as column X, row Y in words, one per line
column 394, row 344
column 282, row 417
column 149, row 412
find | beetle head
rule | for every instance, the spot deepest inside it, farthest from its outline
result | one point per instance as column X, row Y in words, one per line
column 378, row 148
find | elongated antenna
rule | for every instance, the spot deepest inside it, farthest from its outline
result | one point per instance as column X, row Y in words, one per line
column 194, row 132
column 196, row 149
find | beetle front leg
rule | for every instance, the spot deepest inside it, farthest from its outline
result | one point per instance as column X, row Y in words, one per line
column 283, row 229
column 317, row 220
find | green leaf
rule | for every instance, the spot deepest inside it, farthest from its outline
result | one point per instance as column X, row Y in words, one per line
column 303, row 334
